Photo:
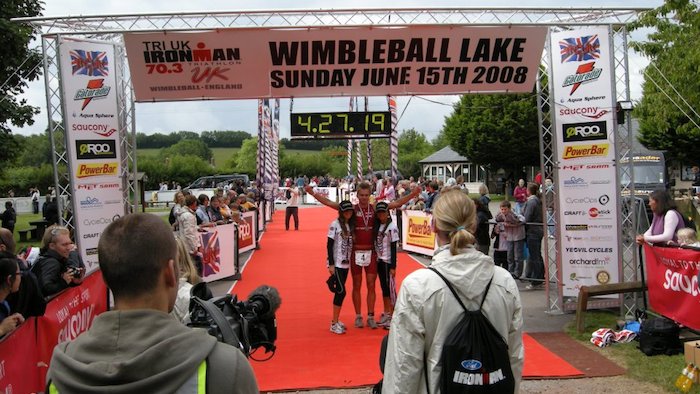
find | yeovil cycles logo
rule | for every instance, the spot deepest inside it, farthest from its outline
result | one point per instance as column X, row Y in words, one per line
column 96, row 149
column 95, row 89
column 574, row 132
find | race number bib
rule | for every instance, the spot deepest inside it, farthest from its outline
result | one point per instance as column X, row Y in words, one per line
column 363, row 257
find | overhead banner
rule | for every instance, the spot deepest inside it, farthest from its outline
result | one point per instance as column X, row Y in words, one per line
column 672, row 280
column 582, row 76
column 315, row 62
column 91, row 122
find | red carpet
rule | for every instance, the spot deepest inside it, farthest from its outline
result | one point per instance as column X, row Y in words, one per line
column 308, row 355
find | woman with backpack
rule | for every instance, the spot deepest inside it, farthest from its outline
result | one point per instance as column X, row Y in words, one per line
column 666, row 221
column 427, row 311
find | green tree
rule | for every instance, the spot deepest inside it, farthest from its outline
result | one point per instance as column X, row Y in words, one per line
column 34, row 150
column 192, row 147
column 496, row 130
column 246, row 159
column 666, row 121
column 18, row 66
column 413, row 141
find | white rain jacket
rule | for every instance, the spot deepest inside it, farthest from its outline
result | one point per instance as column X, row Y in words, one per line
column 426, row 311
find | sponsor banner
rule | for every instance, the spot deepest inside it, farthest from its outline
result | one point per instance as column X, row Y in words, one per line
column 582, row 75
column 219, row 246
column 265, row 63
column 246, row 232
column 330, row 193
column 418, row 236
column 69, row 314
column 19, row 355
column 672, row 279
column 96, row 207
column 96, row 149
column 281, row 195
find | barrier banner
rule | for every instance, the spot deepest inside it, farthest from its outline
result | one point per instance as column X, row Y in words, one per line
column 418, row 235
column 70, row 314
column 19, row 355
column 219, row 252
column 343, row 61
column 672, row 279
column 247, row 231
column 330, row 193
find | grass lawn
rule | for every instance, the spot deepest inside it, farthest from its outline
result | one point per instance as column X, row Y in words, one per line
column 660, row 370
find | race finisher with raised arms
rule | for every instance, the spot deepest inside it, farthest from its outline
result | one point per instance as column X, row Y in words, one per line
column 363, row 255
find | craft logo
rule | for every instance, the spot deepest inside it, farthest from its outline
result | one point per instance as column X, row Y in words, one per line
column 96, row 149
column 588, row 112
column 103, row 130
column 90, row 202
column 95, row 89
column 585, row 73
column 580, row 49
column 97, row 169
column 576, row 227
column 574, row 132
column 575, row 182
column 574, row 213
column 91, row 235
column 576, row 167
column 179, row 51
column 419, row 232
column 579, row 151
column 93, row 186
column 90, row 63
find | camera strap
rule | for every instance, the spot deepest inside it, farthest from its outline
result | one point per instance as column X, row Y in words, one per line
column 227, row 333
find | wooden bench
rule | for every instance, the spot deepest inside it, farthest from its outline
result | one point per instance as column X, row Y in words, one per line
column 26, row 235
column 613, row 288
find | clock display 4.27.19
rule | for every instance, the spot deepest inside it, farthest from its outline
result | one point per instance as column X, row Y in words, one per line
column 340, row 124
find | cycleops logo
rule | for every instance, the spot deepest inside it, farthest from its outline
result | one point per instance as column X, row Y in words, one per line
column 96, row 149
column 589, row 131
column 100, row 221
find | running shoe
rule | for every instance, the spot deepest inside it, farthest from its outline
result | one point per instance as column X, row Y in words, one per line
column 383, row 319
column 387, row 325
column 371, row 323
column 340, row 323
column 337, row 328
column 358, row 322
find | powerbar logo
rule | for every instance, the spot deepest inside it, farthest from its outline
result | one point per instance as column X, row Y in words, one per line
column 95, row 89
column 574, row 132
column 97, row 169
column 585, row 73
column 96, row 149
column 579, row 151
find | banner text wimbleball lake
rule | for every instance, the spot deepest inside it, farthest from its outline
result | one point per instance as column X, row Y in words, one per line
column 260, row 63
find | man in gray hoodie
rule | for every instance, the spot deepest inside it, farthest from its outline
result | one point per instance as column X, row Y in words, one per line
column 138, row 347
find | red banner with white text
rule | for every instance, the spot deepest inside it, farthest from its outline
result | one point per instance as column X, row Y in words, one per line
column 70, row 314
column 18, row 361
column 672, row 279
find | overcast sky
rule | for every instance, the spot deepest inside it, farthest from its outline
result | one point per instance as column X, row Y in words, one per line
column 425, row 113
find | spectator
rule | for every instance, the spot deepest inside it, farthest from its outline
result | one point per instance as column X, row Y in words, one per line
column 202, row 211
column 179, row 200
column 484, row 196
column 11, row 279
column 514, row 234
column 666, row 221
column 534, row 232
column 50, row 210
column 34, row 194
column 188, row 278
column 687, row 237
column 188, row 231
column 549, row 200
column 137, row 255
column 214, row 212
column 387, row 193
column 696, row 175
column 432, row 189
column 52, row 268
column 244, row 203
column 9, row 217
column 520, row 195
column 483, row 215
column 426, row 311
column 225, row 209
column 292, row 209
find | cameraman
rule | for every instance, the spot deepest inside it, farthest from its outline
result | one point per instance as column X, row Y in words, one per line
column 52, row 268
column 138, row 347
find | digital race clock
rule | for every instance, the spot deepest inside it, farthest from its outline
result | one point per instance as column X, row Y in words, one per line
column 340, row 125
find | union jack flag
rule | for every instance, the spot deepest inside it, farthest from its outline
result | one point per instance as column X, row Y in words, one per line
column 580, row 49
column 90, row 63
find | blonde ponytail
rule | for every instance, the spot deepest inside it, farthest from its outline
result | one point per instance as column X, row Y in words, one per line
column 455, row 215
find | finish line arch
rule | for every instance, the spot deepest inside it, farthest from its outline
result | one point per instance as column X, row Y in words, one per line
column 112, row 28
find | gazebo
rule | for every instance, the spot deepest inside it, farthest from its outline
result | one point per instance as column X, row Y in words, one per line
column 446, row 163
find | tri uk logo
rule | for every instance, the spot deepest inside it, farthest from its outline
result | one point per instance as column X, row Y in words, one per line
column 579, row 49
column 90, row 63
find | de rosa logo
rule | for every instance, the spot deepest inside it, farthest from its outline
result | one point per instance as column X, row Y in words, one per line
column 90, row 63
column 95, row 89
column 96, row 149
column 574, row 132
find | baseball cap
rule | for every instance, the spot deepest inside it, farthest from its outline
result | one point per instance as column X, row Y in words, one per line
column 345, row 205
column 382, row 207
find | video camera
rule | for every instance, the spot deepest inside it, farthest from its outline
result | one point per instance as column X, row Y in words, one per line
column 248, row 325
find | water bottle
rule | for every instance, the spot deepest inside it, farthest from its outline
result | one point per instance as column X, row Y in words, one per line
column 688, row 384
column 683, row 377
